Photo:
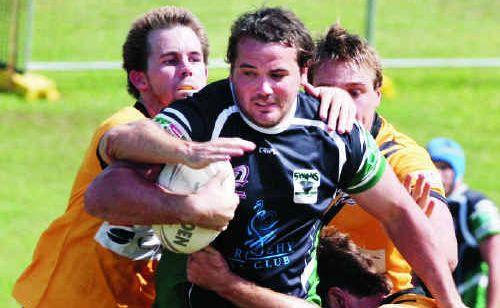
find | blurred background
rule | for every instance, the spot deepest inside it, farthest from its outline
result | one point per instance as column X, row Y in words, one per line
column 442, row 57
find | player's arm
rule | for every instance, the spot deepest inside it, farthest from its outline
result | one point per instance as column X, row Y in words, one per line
column 439, row 216
column 490, row 252
column 147, row 142
column 412, row 233
column 208, row 269
column 127, row 193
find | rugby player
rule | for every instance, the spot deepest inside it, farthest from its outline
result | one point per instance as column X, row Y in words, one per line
column 347, row 61
column 477, row 224
column 287, row 184
column 84, row 261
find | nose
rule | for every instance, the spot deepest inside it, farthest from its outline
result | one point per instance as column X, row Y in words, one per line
column 185, row 68
column 264, row 87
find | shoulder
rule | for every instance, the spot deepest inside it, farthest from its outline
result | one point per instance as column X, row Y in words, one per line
column 212, row 99
column 198, row 115
column 307, row 106
column 474, row 197
column 482, row 214
column 122, row 116
column 406, row 156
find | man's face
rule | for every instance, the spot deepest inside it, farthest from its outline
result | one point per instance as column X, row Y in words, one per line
column 447, row 176
column 176, row 67
column 266, row 79
column 357, row 81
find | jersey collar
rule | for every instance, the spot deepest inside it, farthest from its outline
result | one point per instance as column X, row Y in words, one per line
column 377, row 124
column 140, row 107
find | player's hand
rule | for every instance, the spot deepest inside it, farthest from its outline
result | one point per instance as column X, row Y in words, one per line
column 201, row 154
column 337, row 108
column 420, row 192
column 214, row 207
column 208, row 269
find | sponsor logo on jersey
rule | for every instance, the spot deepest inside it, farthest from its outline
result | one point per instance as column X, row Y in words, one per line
column 260, row 251
column 170, row 126
column 268, row 151
column 241, row 174
column 305, row 186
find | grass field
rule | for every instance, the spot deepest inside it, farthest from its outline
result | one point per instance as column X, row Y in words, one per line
column 42, row 144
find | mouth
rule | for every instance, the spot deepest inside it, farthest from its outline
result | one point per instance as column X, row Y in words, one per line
column 186, row 88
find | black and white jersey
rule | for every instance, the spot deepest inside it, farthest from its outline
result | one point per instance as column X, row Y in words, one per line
column 285, row 185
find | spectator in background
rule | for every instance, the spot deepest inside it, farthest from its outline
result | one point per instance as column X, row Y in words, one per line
column 477, row 225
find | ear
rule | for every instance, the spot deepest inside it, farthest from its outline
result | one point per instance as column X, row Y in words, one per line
column 337, row 298
column 139, row 80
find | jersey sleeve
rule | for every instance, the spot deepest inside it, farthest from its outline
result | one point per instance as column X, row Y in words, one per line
column 484, row 220
column 408, row 158
column 364, row 163
column 183, row 120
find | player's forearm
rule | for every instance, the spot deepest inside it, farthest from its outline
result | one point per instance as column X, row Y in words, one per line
column 142, row 141
column 243, row 293
column 444, row 231
column 123, row 196
column 413, row 236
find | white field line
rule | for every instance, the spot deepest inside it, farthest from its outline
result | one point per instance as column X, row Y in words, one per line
column 219, row 63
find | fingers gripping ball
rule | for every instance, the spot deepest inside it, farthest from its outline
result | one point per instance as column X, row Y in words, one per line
column 188, row 238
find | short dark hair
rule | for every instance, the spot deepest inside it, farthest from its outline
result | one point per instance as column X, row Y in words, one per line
column 136, row 48
column 340, row 45
column 271, row 25
column 341, row 264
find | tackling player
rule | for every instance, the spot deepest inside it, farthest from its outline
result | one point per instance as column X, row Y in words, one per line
column 347, row 61
column 84, row 261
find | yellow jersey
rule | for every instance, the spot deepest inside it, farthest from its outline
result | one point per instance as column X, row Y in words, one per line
column 83, row 261
column 405, row 157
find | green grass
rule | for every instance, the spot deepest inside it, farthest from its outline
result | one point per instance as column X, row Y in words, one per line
column 42, row 143
column 94, row 30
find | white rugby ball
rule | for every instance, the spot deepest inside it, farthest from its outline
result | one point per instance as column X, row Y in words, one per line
column 188, row 238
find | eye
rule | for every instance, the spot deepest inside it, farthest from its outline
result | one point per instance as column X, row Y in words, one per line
column 355, row 93
column 170, row 61
column 277, row 76
column 195, row 58
column 248, row 73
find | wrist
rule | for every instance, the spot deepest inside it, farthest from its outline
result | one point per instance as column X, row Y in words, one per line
column 232, row 286
column 183, row 152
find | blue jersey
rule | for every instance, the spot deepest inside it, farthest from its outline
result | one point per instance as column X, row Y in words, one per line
column 476, row 218
column 285, row 186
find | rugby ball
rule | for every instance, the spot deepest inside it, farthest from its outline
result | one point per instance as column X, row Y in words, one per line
column 188, row 238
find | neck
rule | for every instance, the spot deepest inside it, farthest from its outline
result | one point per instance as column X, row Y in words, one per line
column 153, row 106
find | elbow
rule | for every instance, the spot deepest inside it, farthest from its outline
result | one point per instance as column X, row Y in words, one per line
column 97, row 199
column 91, row 200
column 111, row 140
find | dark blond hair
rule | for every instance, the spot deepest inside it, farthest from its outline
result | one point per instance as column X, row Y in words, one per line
column 136, row 48
column 340, row 45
